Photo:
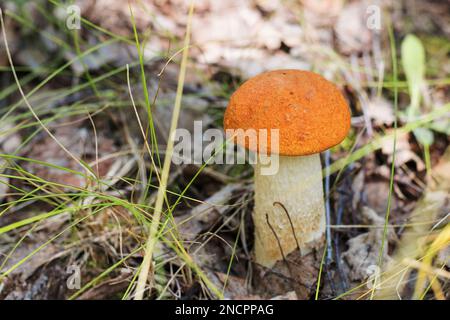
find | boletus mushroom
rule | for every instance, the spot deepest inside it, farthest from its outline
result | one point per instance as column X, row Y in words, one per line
column 311, row 115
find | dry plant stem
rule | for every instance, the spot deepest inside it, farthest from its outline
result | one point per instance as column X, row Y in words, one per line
column 154, row 226
column 298, row 187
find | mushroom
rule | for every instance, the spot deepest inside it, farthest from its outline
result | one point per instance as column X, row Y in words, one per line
column 311, row 115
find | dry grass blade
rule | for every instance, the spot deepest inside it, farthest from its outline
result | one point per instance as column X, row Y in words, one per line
column 420, row 226
column 16, row 78
column 154, row 227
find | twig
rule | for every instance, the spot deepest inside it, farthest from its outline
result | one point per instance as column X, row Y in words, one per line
column 290, row 222
column 279, row 244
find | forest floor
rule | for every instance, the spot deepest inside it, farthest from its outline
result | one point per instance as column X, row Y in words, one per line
column 78, row 187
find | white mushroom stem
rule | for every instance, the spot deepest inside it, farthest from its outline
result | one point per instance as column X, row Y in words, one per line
column 297, row 185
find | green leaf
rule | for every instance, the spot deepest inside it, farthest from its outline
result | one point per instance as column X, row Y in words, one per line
column 413, row 60
column 441, row 125
column 424, row 136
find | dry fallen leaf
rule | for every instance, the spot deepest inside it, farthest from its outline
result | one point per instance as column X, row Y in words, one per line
column 298, row 273
column 37, row 260
column 236, row 288
column 425, row 216
column 380, row 111
column 403, row 152
column 291, row 295
column 78, row 141
column 351, row 29
column 201, row 217
column 239, row 37
column 363, row 250
column 321, row 13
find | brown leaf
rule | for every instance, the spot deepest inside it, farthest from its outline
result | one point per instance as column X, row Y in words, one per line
column 403, row 152
column 352, row 32
column 78, row 141
column 363, row 250
column 381, row 111
column 201, row 217
column 424, row 218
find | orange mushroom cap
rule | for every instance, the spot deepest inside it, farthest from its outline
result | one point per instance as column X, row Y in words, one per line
column 309, row 111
